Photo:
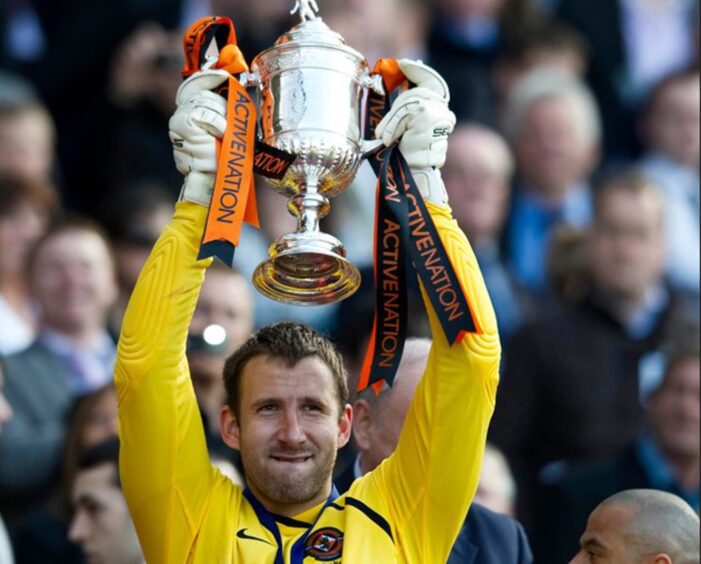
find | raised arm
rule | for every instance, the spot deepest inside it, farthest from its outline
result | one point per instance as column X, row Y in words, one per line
column 165, row 469
column 432, row 476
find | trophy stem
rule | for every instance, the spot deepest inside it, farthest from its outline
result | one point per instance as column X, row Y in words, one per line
column 310, row 207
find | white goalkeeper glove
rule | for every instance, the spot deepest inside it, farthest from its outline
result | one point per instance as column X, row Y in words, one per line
column 421, row 118
column 200, row 118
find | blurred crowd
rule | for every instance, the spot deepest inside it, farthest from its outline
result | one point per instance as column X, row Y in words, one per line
column 574, row 171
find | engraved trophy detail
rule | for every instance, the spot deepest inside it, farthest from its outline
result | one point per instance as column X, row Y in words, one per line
column 311, row 88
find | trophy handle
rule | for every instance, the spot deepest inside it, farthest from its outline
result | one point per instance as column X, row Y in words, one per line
column 373, row 81
column 250, row 79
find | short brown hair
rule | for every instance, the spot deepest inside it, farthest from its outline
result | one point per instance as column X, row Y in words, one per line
column 290, row 342
column 631, row 180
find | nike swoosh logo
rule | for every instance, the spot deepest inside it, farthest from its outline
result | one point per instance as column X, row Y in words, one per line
column 241, row 533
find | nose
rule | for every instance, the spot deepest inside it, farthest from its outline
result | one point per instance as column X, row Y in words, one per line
column 291, row 432
column 78, row 530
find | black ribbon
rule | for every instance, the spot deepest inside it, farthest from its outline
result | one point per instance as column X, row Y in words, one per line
column 404, row 229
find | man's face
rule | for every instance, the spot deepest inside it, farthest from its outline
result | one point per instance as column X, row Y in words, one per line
column 73, row 281
column 225, row 300
column 675, row 411
column 673, row 123
column 102, row 526
column 605, row 540
column 26, row 146
column 381, row 435
column 626, row 245
column 289, row 430
column 5, row 409
column 477, row 182
column 552, row 152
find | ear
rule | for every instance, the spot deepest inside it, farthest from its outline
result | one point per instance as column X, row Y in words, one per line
column 362, row 425
column 345, row 424
column 661, row 559
column 229, row 428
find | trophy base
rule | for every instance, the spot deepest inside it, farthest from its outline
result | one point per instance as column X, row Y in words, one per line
column 307, row 269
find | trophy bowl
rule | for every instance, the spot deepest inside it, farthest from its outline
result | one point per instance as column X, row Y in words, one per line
column 311, row 89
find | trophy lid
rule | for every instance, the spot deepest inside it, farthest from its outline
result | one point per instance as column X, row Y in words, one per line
column 311, row 31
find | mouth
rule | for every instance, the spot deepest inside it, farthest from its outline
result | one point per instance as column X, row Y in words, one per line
column 292, row 458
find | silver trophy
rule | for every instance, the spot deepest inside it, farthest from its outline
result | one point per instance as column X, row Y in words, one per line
column 311, row 89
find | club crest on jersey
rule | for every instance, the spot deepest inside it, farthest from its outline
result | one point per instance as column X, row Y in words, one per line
column 324, row 545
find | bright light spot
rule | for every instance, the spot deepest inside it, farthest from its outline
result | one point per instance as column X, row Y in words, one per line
column 214, row 335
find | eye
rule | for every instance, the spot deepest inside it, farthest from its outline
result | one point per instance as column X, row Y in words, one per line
column 311, row 408
column 268, row 408
column 592, row 557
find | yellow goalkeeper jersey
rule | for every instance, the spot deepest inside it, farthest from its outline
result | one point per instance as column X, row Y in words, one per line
column 409, row 509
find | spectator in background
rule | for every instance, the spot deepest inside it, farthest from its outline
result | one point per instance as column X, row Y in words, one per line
column 102, row 524
column 5, row 415
column 363, row 24
column 634, row 44
column 550, row 43
column 464, row 43
column 222, row 322
column 640, row 527
column 552, row 122
column 27, row 132
column 144, row 78
column 477, row 176
column 26, row 206
column 486, row 537
column 572, row 382
column 42, row 534
column 71, row 271
column 666, row 456
column 133, row 216
column 497, row 487
column 670, row 131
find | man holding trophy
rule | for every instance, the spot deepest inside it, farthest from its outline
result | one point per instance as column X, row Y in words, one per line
column 287, row 409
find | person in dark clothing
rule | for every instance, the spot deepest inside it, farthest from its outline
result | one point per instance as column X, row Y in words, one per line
column 666, row 456
column 572, row 383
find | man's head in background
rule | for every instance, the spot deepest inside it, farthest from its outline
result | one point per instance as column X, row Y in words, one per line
column 27, row 131
column 101, row 524
column 477, row 176
column 674, row 408
column 547, row 43
column 641, row 527
column 378, row 420
column 222, row 321
column 73, row 278
column 671, row 118
column 626, row 240
column 497, row 487
column 552, row 122
column 26, row 207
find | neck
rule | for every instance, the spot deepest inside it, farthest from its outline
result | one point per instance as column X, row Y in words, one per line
column 623, row 307
column 549, row 192
column 686, row 468
column 363, row 464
